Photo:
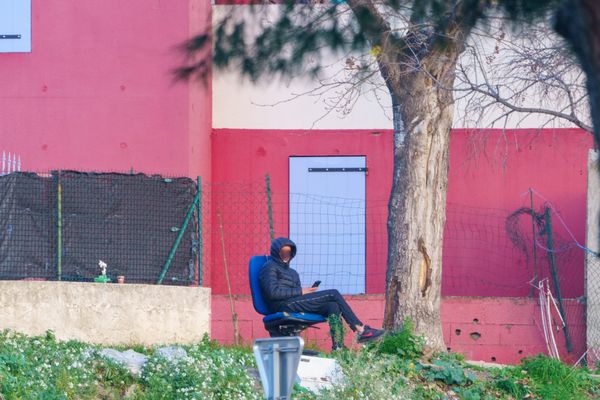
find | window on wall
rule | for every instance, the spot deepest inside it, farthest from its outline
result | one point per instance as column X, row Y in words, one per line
column 15, row 26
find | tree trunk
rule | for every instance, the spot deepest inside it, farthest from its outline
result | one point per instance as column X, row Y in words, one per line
column 417, row 206
column 578, row 21
column 419, row 71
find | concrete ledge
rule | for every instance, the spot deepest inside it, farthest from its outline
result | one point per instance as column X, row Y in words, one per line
column 106, row 313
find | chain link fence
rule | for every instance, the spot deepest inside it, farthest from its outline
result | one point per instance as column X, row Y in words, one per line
column 525, row 253
column 593, row 309
column 150, row 229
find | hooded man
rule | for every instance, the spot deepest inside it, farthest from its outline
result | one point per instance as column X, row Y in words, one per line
column 281, row 288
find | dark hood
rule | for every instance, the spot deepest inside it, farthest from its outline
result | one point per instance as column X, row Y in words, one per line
column 277, row 244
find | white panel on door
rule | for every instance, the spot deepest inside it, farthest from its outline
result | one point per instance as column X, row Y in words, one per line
column 15, row 26
column 327, row 221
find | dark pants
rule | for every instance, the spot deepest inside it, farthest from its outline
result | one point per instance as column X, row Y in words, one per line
column 325, row 303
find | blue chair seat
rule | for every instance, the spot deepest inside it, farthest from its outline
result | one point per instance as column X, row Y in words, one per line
column 294, row 316
column 280, row 323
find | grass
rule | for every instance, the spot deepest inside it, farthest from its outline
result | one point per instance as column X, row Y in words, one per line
column 42, row 367
column 548, row 378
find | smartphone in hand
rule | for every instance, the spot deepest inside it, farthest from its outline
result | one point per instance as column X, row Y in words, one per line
column 316, row 284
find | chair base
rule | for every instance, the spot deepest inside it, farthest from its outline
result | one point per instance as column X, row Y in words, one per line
column 286, row 329
column 290, row 324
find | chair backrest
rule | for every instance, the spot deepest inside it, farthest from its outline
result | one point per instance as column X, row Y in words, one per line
column 254, row 266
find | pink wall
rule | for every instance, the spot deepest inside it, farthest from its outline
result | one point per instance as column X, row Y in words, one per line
column 489, row 176
column 96, row 91
column 501, row 330
column 243, row 157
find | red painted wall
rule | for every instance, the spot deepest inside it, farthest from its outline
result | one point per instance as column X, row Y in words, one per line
column 96, row 92
column 502, row 330
column 489, row 177
column 242, row 158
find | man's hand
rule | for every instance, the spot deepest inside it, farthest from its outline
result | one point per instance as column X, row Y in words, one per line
column 307, row 290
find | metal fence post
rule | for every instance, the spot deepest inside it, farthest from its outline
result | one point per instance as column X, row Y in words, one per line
column 555, row 278
column 188, row 216
column 58, row 226
column 270, row 205
column 534, row 243
column 199, row 232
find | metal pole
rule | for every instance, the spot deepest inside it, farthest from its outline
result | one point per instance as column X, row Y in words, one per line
column 534, row 244
column 234, row 317
column 59, row 226
column 270, row 205
column 276, row 372
column 199, row 232
column 555, row 278
column 188, row 216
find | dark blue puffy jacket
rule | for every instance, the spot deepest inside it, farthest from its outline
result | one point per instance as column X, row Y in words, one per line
column 279, row 282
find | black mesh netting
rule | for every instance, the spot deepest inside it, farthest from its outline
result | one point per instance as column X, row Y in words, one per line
column 130, row 222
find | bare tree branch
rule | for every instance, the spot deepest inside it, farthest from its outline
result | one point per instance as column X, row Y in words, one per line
column 528, row 74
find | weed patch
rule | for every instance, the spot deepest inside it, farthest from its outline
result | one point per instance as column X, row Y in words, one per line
column 42, row 367
column 403, row 343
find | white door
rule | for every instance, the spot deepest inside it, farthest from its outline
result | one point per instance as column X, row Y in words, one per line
column 327, row 221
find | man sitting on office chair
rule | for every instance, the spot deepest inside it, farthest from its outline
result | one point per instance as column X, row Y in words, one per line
column 280, row 286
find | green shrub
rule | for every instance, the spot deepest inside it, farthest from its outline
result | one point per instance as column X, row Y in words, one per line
column 450, row 372
column 512, row 386
column 546, row 378
column 552, row 379
column 337, row 331
column 403, row 343
column 41, row 367
column 368, row 375
column 477, row 391
column 208, row 372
